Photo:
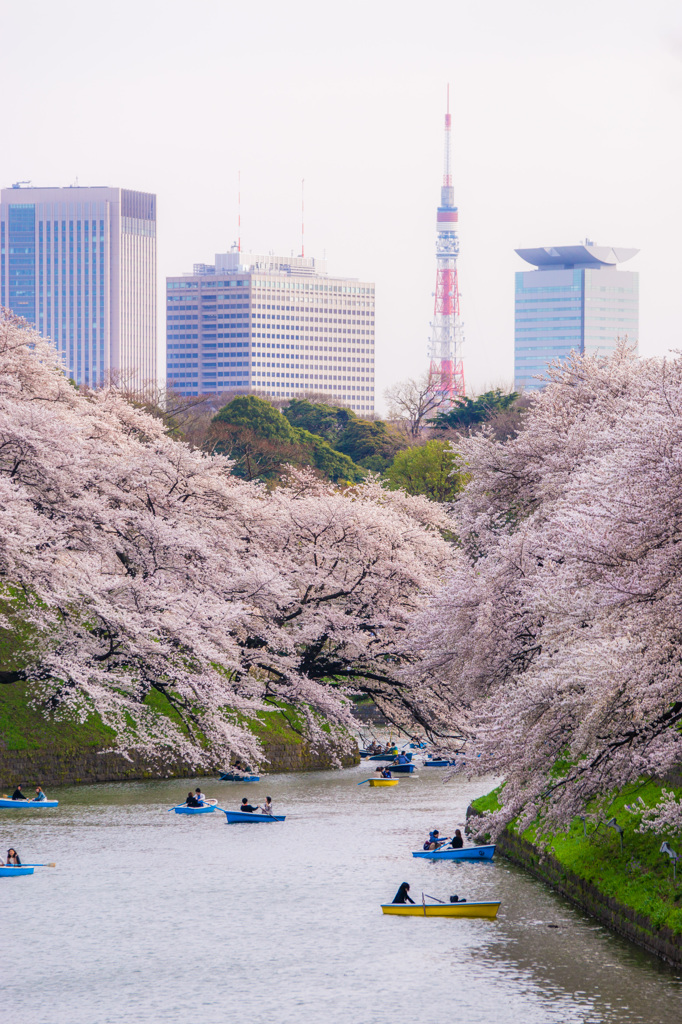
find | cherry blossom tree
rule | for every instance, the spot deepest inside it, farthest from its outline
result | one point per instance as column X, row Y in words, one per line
column 556, row 643
column 137, row 574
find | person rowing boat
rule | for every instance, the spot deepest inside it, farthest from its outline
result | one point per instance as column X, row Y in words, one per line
column 247, row 807
column 384, row 773
column 18, row 795
column 402, row 894
column 434, row 842
column 13, row 860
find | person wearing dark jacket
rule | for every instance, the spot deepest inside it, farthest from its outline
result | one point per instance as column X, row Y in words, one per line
column 402, row 894
column 246, row 806
column 192, row 801
column 18, row 795
column 457, row 841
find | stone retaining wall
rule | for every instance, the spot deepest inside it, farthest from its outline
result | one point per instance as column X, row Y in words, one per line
column 55, row 766
column 662, row 942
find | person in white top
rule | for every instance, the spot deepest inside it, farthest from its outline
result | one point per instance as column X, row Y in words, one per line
column 267, row 806
column 200, row 796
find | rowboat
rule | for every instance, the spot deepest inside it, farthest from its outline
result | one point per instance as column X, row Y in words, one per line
column 402, row 769
column 33, row 805
column 235, row 777
column 209, row 806
column 383, row 782
column 465, row 853
column 487, row 909
column 387, row 757
column 7, row 871
column 438, row 762
column 233, row 817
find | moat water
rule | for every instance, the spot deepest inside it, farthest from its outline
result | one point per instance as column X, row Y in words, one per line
column 156, row 918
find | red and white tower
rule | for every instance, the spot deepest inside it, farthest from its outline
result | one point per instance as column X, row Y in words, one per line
column 447, row 335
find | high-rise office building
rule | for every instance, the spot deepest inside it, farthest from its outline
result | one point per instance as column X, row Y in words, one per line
column 80, row 265
column 274, row 325
column 575, row 300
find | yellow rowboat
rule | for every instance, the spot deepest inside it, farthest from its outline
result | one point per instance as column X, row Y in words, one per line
column 383, row 782
column 463, row 909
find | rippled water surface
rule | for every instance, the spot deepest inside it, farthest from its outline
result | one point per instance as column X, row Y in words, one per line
column 153, row 917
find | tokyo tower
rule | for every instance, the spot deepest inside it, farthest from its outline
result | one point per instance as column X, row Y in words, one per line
column 447, row 336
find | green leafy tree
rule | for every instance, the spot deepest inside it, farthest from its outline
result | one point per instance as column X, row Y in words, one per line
column 327, row 421
column 468, row 412
column 432, row 469
column 372, row 444
column 262, row 441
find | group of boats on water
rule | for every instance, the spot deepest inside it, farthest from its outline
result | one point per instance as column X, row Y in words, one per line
column 392, row 761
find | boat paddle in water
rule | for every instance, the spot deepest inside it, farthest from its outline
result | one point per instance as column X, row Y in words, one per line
column 460, row 908
column 26, row 805
column 10, row 870
column 234, row 817
column 463, row 853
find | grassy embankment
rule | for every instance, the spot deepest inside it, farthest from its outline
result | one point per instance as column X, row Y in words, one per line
column 36, row 747
column 640, row 877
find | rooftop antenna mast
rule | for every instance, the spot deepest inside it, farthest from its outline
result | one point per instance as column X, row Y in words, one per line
column 302, row 217
column 239, row 211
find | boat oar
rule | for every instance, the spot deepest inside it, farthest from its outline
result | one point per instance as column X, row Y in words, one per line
column 433, row 898
column 50, row 865
column 363, row 782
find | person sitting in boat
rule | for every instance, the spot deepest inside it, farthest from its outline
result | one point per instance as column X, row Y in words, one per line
column 13, row 860
column 402, row 894
column 384, row 773
column 457, row 842
column 191, row 800
column 17, row 794
column 434, row 840
column 402, row 758
column 199, row 797
column 246, row 806
column 267, row 806
column 40, row 796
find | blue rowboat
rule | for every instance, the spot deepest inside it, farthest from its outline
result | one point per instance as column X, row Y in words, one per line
column 465, row 853
column 23, row 805
column 403, row 769
column 387, row 757
column 7, row 871
column 206, row 809
column 233, row 817
column 438, row 762
column 235, row 777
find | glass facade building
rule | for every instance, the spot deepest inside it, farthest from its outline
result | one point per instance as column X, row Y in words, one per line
column 80, row 265
column 277, row 326
column 575, row 301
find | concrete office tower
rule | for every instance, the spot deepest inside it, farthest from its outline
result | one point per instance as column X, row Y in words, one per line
column 576, row 300
column 80, row 264
column 272, row 325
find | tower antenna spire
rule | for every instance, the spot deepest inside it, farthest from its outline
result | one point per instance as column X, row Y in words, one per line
column 302, row 217
column 239, row 211
column 447, row 336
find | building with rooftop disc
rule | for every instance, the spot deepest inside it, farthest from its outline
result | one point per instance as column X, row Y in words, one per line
column 575, row 300
column 273, row 325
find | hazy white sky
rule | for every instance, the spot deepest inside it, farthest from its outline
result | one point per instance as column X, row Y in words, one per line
column 566, row 124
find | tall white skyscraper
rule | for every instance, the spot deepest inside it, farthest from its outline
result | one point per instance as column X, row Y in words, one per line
column 80, row 264
column 275, row 325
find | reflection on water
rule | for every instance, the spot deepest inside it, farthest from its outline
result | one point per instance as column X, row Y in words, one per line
column 155, row 917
